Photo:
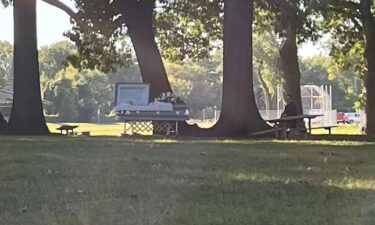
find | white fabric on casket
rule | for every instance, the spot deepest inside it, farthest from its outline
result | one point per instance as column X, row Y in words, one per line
column 153, row 106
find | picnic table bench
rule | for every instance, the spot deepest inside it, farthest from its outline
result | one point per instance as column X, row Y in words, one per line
column 329, row 128
column 281, row 123
column 66, row 128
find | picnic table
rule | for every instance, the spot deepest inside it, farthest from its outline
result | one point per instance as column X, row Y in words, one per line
column 281, row 123
column 66, row 128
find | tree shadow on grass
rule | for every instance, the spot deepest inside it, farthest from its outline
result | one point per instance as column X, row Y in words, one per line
column 275, row 202
column 284, row 183
column 185, row 182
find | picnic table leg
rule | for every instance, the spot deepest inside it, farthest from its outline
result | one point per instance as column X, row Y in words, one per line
column 126, row 127
column 277, row 130
column 285, row 131
column 304, row 125
column 309, row 126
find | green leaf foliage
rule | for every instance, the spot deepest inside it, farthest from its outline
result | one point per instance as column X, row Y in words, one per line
column 6, row 64
column 6, row 3
column 184, row 29
column 99, row 36
column 189, row 29
column 343, row 21
column 346, row 85
column 53, row 58
column 279, row 14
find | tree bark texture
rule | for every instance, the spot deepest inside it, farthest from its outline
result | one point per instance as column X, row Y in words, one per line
column 239, row 113
column 3, row 123
column 139, row 20
column 290, row 67
column 369, row 35
column 27, row 116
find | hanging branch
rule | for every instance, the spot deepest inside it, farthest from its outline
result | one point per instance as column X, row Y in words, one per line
column 63, row 7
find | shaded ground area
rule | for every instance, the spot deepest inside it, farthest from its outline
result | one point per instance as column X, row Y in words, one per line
column 89, row 181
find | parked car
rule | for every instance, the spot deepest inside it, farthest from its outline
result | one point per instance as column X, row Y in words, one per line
column 353, row 117
column 341, row 118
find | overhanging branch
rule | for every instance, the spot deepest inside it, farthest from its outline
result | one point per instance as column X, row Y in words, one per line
column 351, row 5
column 63, row 7
column 310, row 7
column 288, row 6
column 343, row 11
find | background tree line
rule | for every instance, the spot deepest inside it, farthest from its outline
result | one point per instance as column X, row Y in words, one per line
column 76, row 95
column 191, row 28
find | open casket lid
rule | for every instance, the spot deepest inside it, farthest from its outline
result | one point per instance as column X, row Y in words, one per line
column 132, row 93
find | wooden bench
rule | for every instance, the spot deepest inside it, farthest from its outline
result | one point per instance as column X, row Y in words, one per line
column 282, row 123
column 66, row 128
column 272, row 130
column 276, row 130
column 329, row 128
column 83, row 133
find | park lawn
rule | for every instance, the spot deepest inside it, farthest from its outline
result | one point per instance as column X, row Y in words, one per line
column 113, row 129
column 116, row 129
column 347, row 129
column 106, row 181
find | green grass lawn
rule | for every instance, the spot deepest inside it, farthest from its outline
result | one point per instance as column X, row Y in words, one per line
column 347, row 129
column 106, row 181
column 116, row 129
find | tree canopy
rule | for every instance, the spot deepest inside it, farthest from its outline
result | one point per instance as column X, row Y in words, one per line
column 188, row 33
column 351, row 25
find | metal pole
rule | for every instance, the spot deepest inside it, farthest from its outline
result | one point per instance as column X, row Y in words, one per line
column 311, row 98
column 332, row 117
column 124, row 127
column 215, row 113
column 330, row 94
column 325, row 97
column 322, row 96
column 98, row 116
column 278, row 101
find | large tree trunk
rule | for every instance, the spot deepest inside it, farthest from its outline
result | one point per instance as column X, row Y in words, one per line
column 369, row 34
column 139, row 21
column 239, row 113
column 27, row 111
column 290, row 67
column 3, row 123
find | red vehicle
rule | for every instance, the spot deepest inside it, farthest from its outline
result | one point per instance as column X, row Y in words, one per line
column 342, row 118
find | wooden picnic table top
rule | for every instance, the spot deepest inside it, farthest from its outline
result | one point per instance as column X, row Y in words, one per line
column 66, row 127
column 291, row 118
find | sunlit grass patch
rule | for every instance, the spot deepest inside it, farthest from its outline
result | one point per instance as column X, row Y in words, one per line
column 352, row 183
column 166, row 141
column 241, row 176
column 115, row 129
column 347, row 129
column 323, row 142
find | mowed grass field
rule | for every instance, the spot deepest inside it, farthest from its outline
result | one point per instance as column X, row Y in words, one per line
column 116, row 129
column 106, row 181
